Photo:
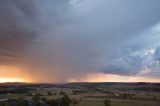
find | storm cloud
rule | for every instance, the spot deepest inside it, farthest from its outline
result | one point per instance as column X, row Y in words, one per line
column 58, row 40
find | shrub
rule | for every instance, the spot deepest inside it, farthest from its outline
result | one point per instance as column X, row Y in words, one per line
column 107, row 102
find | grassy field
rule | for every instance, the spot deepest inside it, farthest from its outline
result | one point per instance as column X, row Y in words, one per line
column 118, row 102
column 96, row 97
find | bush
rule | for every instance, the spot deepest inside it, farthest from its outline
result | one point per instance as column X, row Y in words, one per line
column 107, row 102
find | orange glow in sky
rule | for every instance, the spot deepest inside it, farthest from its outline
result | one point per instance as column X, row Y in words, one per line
column 11, row 80
column 15, row 74
column 101, row 77
column 12, row 74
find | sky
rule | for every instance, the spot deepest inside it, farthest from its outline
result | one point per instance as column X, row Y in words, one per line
column 80, row 41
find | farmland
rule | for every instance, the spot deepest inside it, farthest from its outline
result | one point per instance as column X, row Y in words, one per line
column 88, row 94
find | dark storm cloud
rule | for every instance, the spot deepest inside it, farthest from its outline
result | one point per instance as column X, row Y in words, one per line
column 20, row 25
column 14, row 36
column 67, row 38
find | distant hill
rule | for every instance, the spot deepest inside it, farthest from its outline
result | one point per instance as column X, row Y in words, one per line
column 137, row 86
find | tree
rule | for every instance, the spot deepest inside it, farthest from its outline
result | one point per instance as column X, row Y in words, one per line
column 107, row 102
column 66, row 100
column 75, row 101
column 62, row 93
column 53, row 102
column 37, row 104
column 49, row 93
column 154, row 98
column 36, row 98
column 44, row 99
column 21, row 102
